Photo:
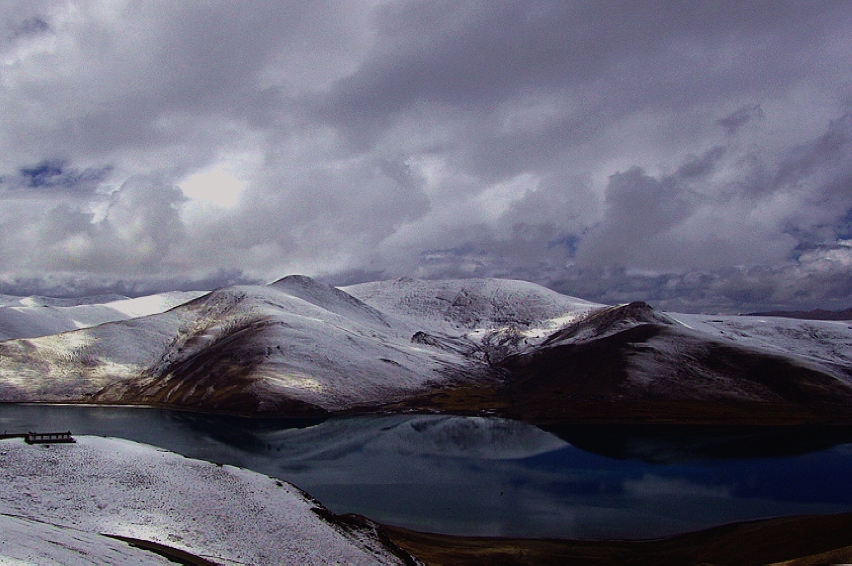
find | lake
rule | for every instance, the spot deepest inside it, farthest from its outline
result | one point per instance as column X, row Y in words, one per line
column 489, row 476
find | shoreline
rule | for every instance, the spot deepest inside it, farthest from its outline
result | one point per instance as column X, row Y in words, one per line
column 803, row 539
column 781, row 539
column 582, row 413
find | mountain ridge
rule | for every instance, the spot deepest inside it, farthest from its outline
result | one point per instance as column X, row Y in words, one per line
column 815, row 314
column 299, row 347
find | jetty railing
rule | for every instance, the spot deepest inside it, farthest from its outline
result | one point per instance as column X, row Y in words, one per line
column 41, row 437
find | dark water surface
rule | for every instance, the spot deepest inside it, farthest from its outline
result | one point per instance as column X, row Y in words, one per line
column 487, row 476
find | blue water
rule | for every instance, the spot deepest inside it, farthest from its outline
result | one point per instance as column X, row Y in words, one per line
column 473, row 475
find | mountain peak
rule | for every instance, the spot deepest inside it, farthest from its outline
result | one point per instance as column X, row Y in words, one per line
column 294, row 280
column 328, row 297
column 608, row 320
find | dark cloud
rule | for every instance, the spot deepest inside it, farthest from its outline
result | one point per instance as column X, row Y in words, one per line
column 740, row 117
column 66, row 285
column 810, row 283
column 692, row 153
column 463, row 62
column 639, row 210
column 34, row 25
column 687, row 220
column 58, row 175
column 826, row 155
column 696, row 167
column 843, row 227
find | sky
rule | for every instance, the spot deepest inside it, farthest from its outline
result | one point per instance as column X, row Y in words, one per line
column 695, row 155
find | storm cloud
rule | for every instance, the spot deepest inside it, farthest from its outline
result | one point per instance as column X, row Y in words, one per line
column 696, row 155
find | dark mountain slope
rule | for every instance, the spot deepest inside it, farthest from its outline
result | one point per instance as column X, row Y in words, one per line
column 619, row 367
column 632, row 364
column 223, row 376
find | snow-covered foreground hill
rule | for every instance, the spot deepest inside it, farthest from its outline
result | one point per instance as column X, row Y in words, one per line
column 302, row 347
column 60, row 504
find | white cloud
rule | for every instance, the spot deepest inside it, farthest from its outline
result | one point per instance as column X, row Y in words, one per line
column 535, row 140
column 216, row 185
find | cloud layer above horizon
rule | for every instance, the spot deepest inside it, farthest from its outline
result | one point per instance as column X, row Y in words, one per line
column 696, row 155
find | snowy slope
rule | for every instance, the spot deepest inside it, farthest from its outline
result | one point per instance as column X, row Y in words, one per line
column 39, row 301
column 303, row 347
column 295, row 346
column 823, row 344
column 817, row 340
column 72, row 366
column 471, row 305
column 31, row 317
column 280, row 348
column 492, row 317
column 55, row 501
column 28, row 541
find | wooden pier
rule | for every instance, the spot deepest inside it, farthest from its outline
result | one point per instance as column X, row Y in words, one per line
column 49, row 437
column 42, row 437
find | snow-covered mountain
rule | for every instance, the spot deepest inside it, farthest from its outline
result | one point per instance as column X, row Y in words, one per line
column 632, row 362
column 30, row 317
column 302, row 347
column 294, row 346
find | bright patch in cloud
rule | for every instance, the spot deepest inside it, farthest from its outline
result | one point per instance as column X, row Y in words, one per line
column 218, row 186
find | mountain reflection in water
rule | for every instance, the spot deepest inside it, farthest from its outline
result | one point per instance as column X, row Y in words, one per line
column 672, row 444
column 488, row 476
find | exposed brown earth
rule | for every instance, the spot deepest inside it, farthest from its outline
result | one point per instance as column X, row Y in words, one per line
column 175, row 555
column 809, row 539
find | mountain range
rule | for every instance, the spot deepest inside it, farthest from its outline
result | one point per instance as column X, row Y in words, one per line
column 815, row 314
column 301, row 347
